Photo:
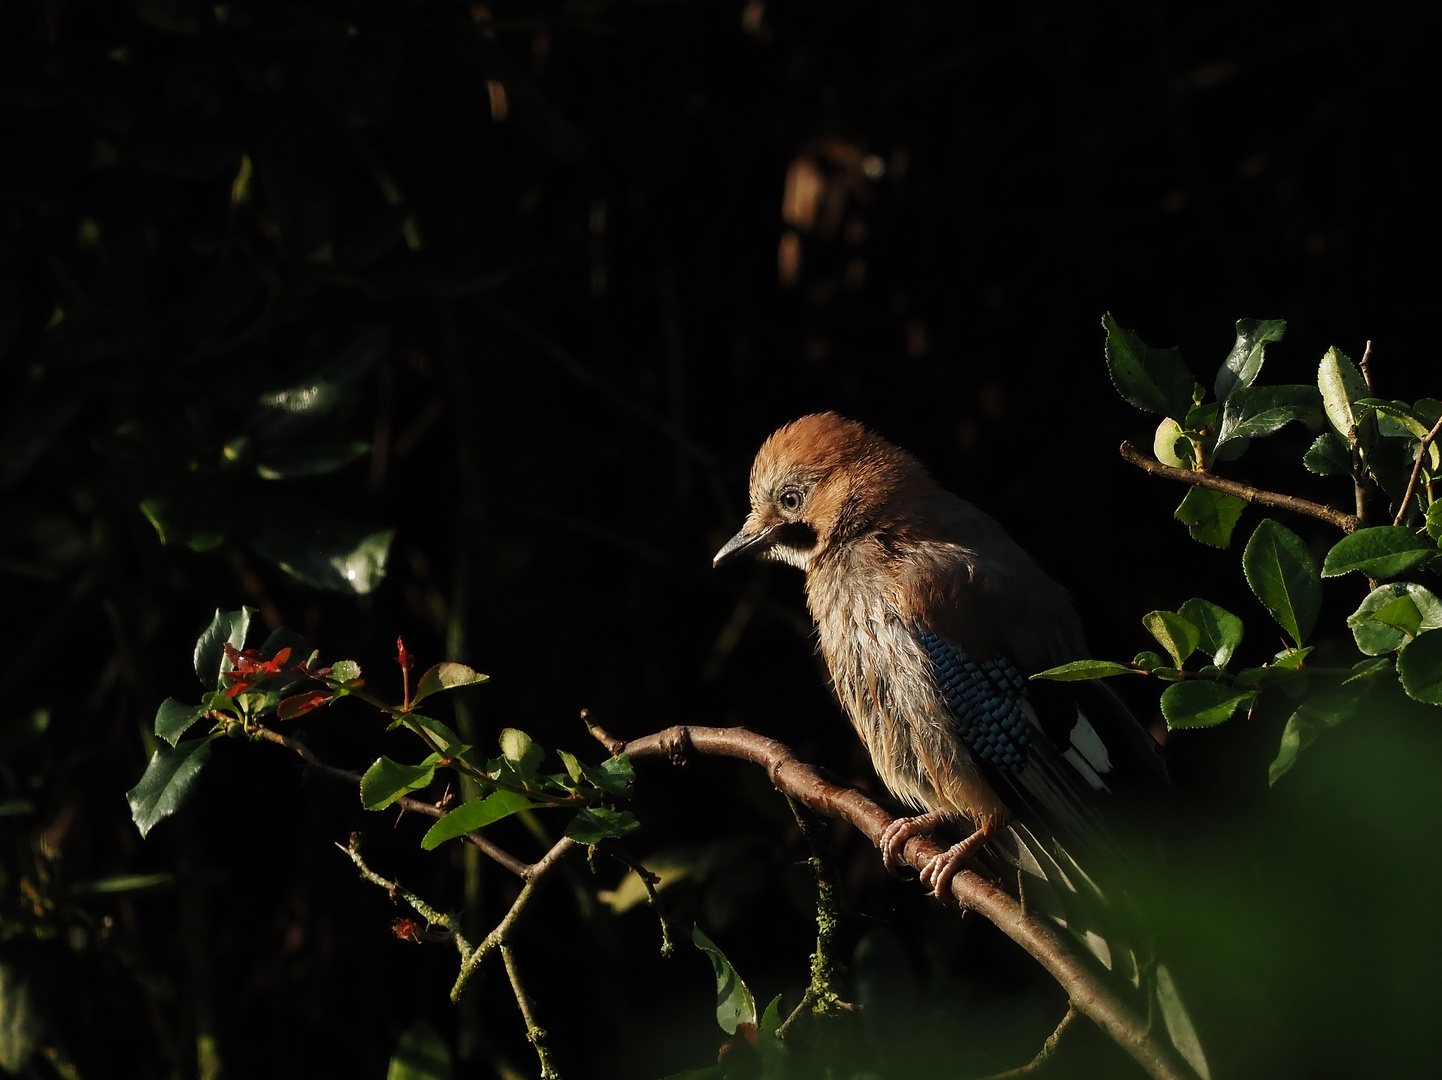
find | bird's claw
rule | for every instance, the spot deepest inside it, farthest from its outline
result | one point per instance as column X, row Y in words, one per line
column 940, row 869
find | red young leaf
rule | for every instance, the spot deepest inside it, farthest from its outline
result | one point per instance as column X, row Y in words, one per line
column 300, row 704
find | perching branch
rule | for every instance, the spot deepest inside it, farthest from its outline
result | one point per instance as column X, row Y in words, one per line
column 1344, row 521
column 1088, row 992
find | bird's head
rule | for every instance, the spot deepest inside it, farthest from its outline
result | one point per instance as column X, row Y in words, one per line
column 817, row 483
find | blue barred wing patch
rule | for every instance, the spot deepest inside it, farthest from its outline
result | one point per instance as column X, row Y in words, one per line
column 986, row 700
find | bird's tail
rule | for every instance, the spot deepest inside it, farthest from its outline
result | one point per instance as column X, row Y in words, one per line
column 1051, row 883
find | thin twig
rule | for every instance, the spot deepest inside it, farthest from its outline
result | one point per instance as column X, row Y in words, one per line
column 820, row 996
column 1085, row 987
column 1047, row 1049
column 416, row 806
column 395, row 889
column 1367, row 369
column 497, row 936
column 1427, row 441
column 535, row 1034
column 1344, row 521
column 649, row 881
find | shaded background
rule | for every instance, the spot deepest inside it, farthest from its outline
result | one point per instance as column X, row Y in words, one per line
column 527, row 284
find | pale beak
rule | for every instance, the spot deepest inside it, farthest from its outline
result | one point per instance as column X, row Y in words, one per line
column 744, row 543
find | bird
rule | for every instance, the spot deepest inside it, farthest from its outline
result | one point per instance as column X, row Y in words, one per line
column 930, row 619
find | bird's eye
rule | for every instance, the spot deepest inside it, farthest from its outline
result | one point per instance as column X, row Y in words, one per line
column 791, row 500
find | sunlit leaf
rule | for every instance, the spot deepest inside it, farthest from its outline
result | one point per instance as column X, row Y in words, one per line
column 227, row 628
column 168, row 779
column 734, row 1003
column 1254, row 411
column 445, row 676
column 1201, row 703
column 1341, row 384
column 1244, row 362
column 1079, row 670
column 1284, row 578
column 1210, row 516
column 173, row 719
column 475, row 814
column 1154, row 380
column 1176, row 634
column 386, row 780
column 1220, row 630
column 1381, row 552
column 327, row 553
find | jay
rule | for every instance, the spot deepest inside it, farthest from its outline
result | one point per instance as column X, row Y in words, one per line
column 930, row 617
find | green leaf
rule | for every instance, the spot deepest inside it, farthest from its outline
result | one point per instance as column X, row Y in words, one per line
column 1176, row 634
column 1296, row 736
column 518, row 748
column 1201, row 703
column 228, row 627
column 1221, row 631
column 179, row 521
column 475, row 814
column 1264, row 678
column 1254, row 411
column 1401, row 614
column 1244, row 362
column 1381, row 552
column 1154, row 380
column 386, row 780
column 1328, row 456
column 1367, row 670
column 173, row 719
column 445, row 676
column 734, row 1003
column 1395, row 418
column 168, row 779
column 312, row 399
column 345, row 671
column 1284, row 578
column 598, row 823
column 316, row 460
column 21, row 1021
column 421, row 1054
column 1324, row 710
column 328, row 554
column 1171, row 446
column 771, row 1018
column 1292, row 659
column 1341, row 384
column 1419, row 666
column 1434, row 521
column 1078, row 670
column 1210, row 516
column 449, row 740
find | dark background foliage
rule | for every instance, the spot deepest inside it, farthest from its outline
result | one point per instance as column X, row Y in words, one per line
column 561, row 267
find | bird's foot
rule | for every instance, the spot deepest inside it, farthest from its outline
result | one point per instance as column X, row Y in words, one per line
column 894, row 837
column 939, row 871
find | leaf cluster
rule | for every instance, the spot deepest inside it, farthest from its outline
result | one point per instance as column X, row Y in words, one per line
column 1388, row 449
column 251, row 689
